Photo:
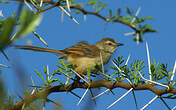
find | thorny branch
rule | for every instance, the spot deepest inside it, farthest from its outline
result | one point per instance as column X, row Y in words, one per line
column 97, row 84
column 85, row 12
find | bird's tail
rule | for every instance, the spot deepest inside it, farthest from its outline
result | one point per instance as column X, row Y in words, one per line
column 34, row 48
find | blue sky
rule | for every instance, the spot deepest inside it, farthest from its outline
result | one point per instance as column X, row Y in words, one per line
column 61, row 35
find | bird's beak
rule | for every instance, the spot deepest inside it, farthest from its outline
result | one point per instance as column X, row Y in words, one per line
column 120, row 44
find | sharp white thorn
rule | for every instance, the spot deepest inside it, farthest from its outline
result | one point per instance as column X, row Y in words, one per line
column 137, row 38
column 120, row 98
column 173, row 72
column 149, row 102
column 1, row 15
column 68, row 14
column 80, row 76
column 68, row 5
column 85, row 17
column 83, row 96
column 47, row 67
column 100, row 94
column 148, row 57
column 27, row 4
column 122, row 73
column 137, row 13
column 153, row 81
column 33, row 85
column 174, row 108
column 3, row 65
column 41, row 3
column 128, row 59
column 130, row 33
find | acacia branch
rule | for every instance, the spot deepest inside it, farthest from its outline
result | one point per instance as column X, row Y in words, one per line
column 52, row 6
column 103, row 17
column 97, row 84
column 95, row 13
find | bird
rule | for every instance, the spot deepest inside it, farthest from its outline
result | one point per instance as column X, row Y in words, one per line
column 84, row 55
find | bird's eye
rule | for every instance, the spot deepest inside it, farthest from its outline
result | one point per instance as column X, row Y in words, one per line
column 109, row 43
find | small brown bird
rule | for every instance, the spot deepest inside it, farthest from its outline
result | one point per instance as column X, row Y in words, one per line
column 84, row 55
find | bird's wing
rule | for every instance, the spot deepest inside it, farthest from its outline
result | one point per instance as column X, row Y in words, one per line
column 82, row 42
column 84, row 50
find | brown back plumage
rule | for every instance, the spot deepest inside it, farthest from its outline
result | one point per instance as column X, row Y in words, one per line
column 84, row 50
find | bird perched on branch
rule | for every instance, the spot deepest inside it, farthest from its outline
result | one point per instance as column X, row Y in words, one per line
column 83, row 55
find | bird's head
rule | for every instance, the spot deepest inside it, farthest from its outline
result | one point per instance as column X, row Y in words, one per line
column 108, row 45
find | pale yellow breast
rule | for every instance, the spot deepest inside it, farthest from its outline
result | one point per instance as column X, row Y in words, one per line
column 83, row 63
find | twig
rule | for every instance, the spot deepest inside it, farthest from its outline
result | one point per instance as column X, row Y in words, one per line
column 1, row 50
column 54, row 5
column 165, row 103
column 135, row 99
column 75, row 94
